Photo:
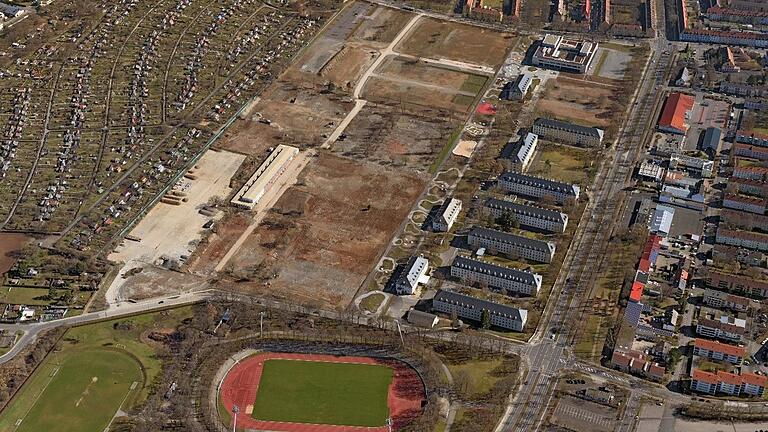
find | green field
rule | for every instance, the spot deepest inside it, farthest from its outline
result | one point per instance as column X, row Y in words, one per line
column 89, row 376
column 79, row 398
column 346, row 394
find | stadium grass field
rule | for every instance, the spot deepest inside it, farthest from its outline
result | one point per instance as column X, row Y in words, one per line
column 80, row 394
column 349, row 394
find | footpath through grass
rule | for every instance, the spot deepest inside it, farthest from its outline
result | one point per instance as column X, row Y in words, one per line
column 346, row 394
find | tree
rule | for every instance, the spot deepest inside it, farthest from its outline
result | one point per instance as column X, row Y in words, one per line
column 507, row 221
column 485, row 319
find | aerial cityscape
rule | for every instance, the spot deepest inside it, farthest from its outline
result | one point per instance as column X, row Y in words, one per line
column 384, row 215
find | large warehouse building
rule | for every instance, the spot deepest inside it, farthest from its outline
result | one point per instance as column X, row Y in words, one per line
column 264, row 177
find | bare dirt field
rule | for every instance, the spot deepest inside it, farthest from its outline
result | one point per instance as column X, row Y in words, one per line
column 413, row 70
column 388, row 136
column 10, row 244
column 582, row 102
column 416, row 95
column 448, row 40
column 323, row 236
column 149, row 281
column 299, row 114
column 346, row 67
column 381, row 26
column 213, row 248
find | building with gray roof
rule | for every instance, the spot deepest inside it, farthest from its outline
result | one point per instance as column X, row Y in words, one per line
column 500, row 242
column 569, row 133
column 537, row 187
column 446, row 215
column 520, row 152
column 509, row 280
column 471, row 308
column 527, row 215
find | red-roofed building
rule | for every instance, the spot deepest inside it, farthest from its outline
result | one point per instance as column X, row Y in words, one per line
column 718, row 351
column 637, row 291
column 635, row 362
column 728, row 383
column 754, row 385
column 676, row 112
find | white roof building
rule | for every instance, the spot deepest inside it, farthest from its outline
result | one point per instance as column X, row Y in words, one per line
column 662, row 220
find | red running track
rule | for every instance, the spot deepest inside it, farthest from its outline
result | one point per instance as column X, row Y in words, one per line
column 241, row 385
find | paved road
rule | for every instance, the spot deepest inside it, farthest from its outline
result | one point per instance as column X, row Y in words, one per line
column 121, row 309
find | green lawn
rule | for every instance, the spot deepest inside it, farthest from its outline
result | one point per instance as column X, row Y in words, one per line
column 26, row 296
column 346, row 394
column 80, row 394
column 477, row 373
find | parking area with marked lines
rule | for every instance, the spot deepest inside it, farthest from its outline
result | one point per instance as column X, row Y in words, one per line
column 581, row 415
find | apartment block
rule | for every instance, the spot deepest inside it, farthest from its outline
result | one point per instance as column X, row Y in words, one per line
column 718, row 351
column 569, row 133
column 468, row 307
column 529, row 216
column 737, row 284
column 537, row 187
column 508, row 280
column 499, row 242
column 722, row 300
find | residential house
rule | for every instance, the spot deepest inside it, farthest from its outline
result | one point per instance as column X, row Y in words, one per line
column 529, row 216
column 499, row 242
column 446, row 215
column 537, row 187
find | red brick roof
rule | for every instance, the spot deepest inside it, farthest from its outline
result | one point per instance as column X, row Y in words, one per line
column 637, row 291
column 707, row 377
column 719, row 347
column 675, row 109
column 729, row 378
column 754, row 379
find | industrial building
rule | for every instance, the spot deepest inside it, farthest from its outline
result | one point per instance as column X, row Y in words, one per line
column 446, row 215
column 697, row 165
column 499, row 242
column 509, row 280
column 471, row 308
column 529, row 216
column 556, row 52
column 264, row 177
column 568, row 133
column 414, row 273
column 537, row 187
column 676, row 114
column 661, row 223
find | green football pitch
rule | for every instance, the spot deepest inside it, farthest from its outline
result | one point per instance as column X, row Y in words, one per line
column 76, row 392
column 348, row 394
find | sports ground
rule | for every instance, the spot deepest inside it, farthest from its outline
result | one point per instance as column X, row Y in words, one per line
column 321, row 393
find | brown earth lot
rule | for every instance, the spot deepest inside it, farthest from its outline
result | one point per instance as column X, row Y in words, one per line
column 300, row 111
column 441, row 39
column 346, row 67
column 10, row 244
column 381, row 27
column 388, row 136
column 389, row 90
column 213, row 248
column 399, row 67
column 323, row 236
column 579, row 101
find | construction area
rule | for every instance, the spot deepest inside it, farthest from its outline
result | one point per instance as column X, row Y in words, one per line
column 323, row 236
column 170, row 232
